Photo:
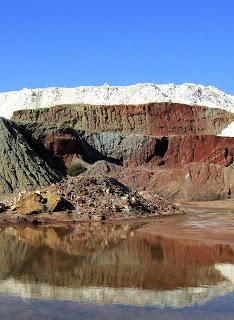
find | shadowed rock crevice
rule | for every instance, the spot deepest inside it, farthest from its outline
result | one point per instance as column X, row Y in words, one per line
column 48, row 155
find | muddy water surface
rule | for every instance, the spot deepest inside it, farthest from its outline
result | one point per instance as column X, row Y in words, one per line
column 175, row 268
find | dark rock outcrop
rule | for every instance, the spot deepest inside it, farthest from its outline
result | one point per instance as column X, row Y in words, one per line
column 103, row 167
column 69, row 144
column 21, row 167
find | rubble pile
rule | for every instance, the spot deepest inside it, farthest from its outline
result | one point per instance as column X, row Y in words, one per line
column 100, row 197
column 82, row 198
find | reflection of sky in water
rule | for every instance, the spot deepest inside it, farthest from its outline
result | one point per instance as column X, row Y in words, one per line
column 74, row 273
column 16, row 308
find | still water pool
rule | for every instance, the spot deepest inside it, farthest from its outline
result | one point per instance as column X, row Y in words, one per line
column 111, row 272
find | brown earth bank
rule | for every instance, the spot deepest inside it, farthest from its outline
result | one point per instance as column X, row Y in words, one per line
column 195, row 181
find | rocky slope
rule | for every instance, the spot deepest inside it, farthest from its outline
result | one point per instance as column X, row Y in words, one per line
column 21, row 167
column 186, row 93
column 195, row 181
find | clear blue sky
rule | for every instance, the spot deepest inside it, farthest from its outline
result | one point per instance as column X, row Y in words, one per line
column 90, row 42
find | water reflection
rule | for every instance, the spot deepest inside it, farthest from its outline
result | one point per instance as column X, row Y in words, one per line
column 112, row 263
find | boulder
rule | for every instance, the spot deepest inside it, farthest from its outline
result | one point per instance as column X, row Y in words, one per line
column 55, row 202
column 35, row 203
column 103, row 167
column 32, row 203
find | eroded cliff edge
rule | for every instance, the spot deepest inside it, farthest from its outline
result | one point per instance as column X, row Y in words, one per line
column 157, row 119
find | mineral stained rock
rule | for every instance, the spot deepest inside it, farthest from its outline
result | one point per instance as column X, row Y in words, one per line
column 150, row 119
column 195, row 181
column 166, row 148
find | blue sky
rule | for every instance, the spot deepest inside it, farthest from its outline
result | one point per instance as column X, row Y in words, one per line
column 90, row 42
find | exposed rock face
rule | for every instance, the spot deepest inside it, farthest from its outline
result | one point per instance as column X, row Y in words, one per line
column 146, row 162
column 69, row 144
column 167, row 148
column 188, row 167
column 21, row 166
column 177, row 151
column 61, row 144
column 151, row 119
column 138, row 150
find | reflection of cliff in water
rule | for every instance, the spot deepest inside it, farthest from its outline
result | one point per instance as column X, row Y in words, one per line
column 109, row 262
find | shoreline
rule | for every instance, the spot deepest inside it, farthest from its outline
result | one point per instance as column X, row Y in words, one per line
column 208, row 222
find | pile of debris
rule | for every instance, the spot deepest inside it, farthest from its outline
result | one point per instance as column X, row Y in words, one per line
column 88, row 197
column 100, row 197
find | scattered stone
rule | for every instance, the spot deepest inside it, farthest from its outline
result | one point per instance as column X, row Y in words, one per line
column 99, row 217
column 54, row 201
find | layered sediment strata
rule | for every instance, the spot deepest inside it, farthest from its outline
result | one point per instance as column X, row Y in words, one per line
column 167, row 148
column 157, row 119
column 195, row 181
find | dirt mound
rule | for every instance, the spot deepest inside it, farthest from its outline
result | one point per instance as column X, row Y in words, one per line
column 101, row 197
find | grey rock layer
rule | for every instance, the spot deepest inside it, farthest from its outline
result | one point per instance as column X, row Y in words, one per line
column 20, row 165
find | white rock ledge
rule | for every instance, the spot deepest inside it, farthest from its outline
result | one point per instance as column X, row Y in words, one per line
column 187, row 93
